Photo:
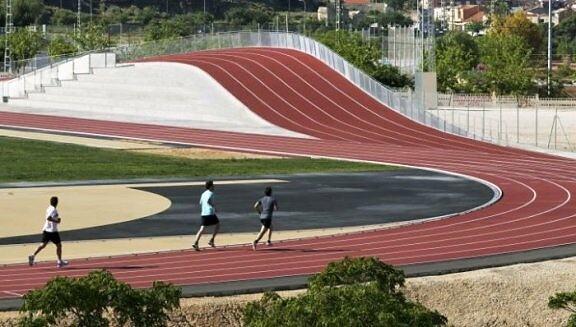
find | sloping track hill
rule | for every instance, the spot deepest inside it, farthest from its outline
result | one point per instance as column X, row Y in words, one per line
column 293, row 90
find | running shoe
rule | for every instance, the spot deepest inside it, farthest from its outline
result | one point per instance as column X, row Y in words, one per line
column 211, row 243
column 62, row 263
column 30, row 260
column 254, row 244
column 195, row 247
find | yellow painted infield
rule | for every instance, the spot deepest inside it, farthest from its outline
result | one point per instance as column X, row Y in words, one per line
column 22, row 210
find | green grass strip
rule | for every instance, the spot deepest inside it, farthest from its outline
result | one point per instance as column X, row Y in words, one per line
column 26, row 160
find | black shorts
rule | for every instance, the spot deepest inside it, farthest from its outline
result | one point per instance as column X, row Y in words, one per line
column 266, row 222
column 210, row 220
column 53, row 237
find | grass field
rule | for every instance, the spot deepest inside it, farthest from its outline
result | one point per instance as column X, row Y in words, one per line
column 26, row 160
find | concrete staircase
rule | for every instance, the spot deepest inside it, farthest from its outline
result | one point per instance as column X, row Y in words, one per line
column 170, row 94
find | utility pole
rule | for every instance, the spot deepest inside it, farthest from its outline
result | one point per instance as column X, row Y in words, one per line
column 338, row 14
column 9, row 29
column 78, row 22
column 549, row 45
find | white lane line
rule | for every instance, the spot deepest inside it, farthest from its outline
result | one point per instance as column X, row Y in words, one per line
column 13, row 293
column 304, row 98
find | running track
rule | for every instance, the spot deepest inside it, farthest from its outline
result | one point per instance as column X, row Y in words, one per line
column 298, row 92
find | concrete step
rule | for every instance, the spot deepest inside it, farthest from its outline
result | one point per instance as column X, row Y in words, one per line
column 86, row 110
column 149, row 103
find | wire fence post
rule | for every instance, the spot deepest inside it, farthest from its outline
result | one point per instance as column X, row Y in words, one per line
column 517, row 123
column 483, row 121
column 468, row 119
column 500, row 124
column 536, row 125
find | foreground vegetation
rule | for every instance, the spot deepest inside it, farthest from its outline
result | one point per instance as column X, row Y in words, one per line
column 514, row 296
column 26, row 160
column 350, row 292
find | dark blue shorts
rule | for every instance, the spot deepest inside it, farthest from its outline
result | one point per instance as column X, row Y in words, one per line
column 53, row 237
column 210, row 220
column 266, row 222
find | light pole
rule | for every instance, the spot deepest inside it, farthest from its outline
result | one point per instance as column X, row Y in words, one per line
column 304, row 23
column 549, row 44
column 204, row 18
column 78, row 21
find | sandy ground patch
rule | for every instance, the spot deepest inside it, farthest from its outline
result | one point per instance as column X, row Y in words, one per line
column 199, row 153
column 79, row 207
column 133, row 146
column 22, row 210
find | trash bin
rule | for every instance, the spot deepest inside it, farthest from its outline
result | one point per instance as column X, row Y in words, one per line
column 5, row 99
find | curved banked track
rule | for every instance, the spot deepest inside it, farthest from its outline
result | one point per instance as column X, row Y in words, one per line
column 295, row 91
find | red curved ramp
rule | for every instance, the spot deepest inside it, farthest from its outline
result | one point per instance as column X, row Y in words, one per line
column 296, row 91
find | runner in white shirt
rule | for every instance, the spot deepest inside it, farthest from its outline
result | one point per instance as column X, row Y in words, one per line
column 50, row 233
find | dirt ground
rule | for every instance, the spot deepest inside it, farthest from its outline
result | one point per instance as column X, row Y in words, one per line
column 508, row 296
column 199, row 153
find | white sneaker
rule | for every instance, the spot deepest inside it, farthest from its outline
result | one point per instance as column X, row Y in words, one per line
column 30, row 260
column 62, row 263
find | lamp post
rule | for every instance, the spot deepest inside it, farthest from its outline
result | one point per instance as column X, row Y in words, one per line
column 549, row 45
column 204, row 19
column 304, row 23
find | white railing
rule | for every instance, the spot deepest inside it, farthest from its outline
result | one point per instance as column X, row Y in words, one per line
column 506, row 101
column 403, row 102
column 461, row 122
column 52, row 74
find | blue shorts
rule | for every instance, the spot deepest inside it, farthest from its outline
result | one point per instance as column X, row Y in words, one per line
column 210, row 220
column 53, row 237
column 266, row 222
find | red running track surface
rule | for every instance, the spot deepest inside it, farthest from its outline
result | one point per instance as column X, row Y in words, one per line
column 296, row 91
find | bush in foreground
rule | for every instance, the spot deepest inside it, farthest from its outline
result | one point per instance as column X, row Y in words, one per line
column 565, row 301
column 98, row 300
column 351, row 292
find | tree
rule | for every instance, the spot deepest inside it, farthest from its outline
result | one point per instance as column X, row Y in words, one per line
column 519, row 25
column 93, row 37
column 166, row 29
column 59, row 46
column 255, row 13
column 565, row 301
column 394, row 18
column 474, row 27
column 565, row 38
column 507, row 64
column 26, row 12
column 95, row 299
column 456, row 54
column 63, row 17
column 396, row 4
column 499, row 9
column 566, row 29
column 364, row 55
column 391, row 76
column 350, row 292
column 24, row 44
column 146, row 15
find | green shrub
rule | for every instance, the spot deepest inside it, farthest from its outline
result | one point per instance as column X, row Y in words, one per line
column 98, row 300
column 352, row 292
